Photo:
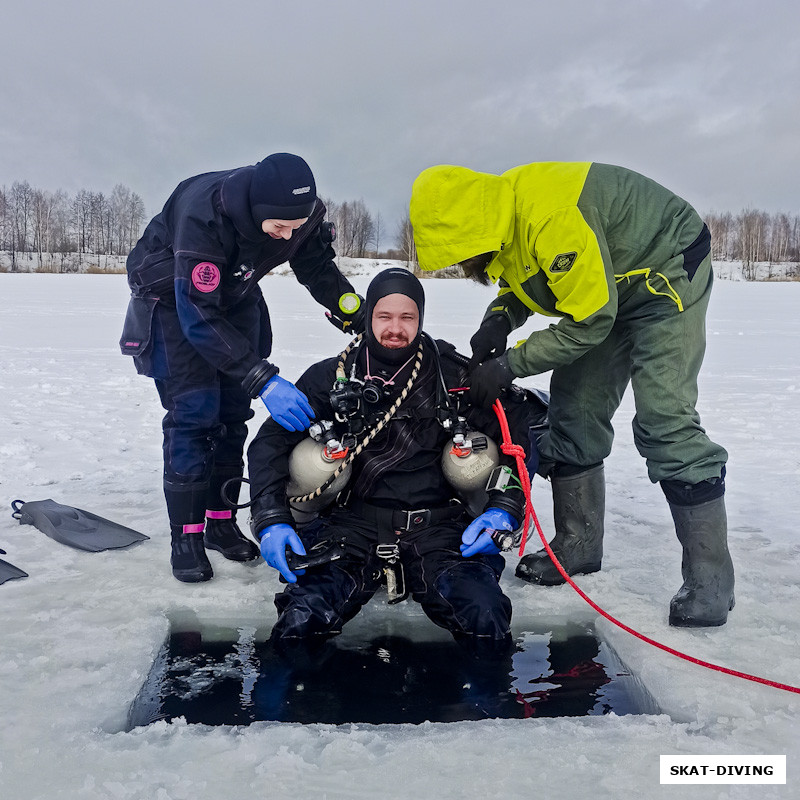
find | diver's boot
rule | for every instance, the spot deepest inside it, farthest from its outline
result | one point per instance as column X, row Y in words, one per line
column 578, row 512
column 224, row 535
column 186, row 504
column 706, row 596
column 189, row 561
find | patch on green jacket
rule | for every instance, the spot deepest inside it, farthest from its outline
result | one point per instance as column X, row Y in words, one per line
column 563, row 262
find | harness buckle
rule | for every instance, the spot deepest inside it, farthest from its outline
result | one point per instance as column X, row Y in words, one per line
column 416, row 519
column 388, row 552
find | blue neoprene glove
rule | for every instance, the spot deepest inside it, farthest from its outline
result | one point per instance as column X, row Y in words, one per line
column 274, row 539
column 287, row 405
column 477, row 538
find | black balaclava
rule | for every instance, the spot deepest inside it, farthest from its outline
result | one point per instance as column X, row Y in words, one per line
column 282, row 187
column 395, row 280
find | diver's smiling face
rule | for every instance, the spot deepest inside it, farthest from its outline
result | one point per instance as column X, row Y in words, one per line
column 395, row 321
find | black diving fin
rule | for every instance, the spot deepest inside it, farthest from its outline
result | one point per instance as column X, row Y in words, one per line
column 74, row 526
column 8, row 571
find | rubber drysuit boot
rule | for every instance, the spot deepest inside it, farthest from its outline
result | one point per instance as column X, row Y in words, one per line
column 578, row 512
column 222, row 533
column 706, row 596
column 186, row 508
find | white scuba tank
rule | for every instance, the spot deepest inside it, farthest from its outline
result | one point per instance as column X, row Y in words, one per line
column 311, row 463
column 467, row 463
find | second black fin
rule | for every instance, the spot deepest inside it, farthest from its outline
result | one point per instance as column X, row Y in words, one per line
column 8, row 572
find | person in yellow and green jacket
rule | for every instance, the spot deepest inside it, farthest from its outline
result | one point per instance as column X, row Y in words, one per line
column 626, row 266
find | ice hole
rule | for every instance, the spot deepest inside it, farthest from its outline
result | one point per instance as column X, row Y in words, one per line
column 225, row 676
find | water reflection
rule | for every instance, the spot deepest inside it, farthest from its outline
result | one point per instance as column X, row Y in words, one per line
column 387, row 679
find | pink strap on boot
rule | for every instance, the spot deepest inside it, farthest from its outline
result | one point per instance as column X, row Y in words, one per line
column 198, row 527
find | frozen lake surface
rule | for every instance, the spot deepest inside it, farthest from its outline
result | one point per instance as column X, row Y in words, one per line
column 79, row 637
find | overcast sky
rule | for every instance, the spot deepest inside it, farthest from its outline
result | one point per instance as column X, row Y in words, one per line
column 701, row 95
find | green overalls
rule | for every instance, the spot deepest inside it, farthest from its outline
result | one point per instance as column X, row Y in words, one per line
column 624, row 263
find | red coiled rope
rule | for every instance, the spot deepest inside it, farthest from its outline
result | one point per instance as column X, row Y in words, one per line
column 510, row 448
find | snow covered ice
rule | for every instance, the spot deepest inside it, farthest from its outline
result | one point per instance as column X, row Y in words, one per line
column 78, row 637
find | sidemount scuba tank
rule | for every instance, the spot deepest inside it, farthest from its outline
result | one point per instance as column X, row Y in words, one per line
column 468, row 461
column 470, row 457
column 311, row 464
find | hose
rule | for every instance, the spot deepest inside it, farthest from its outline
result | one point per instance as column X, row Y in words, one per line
column 510, row 448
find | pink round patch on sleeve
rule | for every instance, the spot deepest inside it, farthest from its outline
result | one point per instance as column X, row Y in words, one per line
column 205, row 276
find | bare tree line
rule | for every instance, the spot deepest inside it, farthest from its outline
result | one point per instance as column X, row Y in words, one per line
column 52, row 225
column 359, row 232
column 754, row 236
column 47, row 224
column 53, row 228
column 362, row 234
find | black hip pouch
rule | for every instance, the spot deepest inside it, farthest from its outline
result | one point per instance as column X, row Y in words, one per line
column 137, row 332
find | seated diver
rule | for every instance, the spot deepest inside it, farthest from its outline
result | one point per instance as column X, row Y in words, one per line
column 399, row 520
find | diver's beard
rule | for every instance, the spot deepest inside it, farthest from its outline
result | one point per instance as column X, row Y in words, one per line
column 391, row 356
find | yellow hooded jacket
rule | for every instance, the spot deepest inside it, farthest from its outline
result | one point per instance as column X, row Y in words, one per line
column 587, row 242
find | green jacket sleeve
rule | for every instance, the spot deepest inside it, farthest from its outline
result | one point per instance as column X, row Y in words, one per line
column 508, row 305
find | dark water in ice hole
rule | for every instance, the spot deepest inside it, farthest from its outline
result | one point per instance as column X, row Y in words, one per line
column 567, row 671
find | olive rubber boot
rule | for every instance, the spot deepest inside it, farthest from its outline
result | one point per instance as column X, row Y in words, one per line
column 706, row 596
column 222, row 533
column 186, row 508
column 578, row 512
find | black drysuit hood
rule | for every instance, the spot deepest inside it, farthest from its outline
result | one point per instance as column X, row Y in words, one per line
column 395, row 280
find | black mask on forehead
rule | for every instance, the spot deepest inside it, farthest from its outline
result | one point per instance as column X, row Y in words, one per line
column 395, row 280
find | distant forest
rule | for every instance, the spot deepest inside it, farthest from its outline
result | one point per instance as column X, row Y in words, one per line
column 57, row 227
column 754, row 236
column 54, row 231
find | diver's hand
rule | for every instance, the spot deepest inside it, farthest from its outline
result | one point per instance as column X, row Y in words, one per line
column 477, row 538
column 287, row 405
column 489, row 341
column 274, row 541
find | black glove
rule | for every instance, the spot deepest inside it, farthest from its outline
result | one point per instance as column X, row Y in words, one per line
column 349, row 323
column 488, row 380
column 489, row 341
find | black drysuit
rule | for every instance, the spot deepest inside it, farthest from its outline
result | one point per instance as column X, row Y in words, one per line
column 399, row 471
column 197, row 321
